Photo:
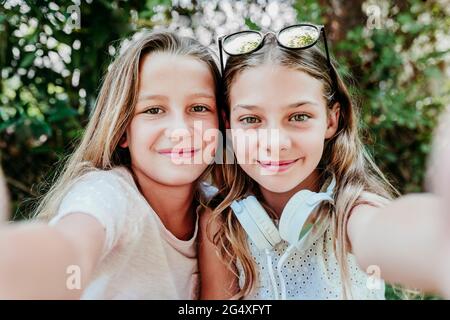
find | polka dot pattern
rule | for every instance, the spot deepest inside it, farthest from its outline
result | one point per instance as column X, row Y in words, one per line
column 312, row 273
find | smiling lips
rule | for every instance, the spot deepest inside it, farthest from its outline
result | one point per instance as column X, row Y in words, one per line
column 277, row 166
column 179, row 153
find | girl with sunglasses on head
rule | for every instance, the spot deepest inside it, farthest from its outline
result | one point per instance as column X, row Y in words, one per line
column 306, row 213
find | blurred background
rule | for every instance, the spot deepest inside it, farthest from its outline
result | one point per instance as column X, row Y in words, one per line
column 53, row 54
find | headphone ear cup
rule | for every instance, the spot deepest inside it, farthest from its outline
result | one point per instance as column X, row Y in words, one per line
column 256, row 222
column 316, row 231
column 296, row 213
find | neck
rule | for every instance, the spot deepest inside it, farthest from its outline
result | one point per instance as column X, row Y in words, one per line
column 277, row 201
column 173, row 204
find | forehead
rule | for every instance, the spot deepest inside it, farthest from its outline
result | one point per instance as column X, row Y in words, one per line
column 275, row 83
column 165, row 71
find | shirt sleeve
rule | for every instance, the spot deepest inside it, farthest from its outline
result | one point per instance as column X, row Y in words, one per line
column 100, row 195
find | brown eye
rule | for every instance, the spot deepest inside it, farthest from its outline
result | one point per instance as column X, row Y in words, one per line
column 299, row 117
column 199, row 108
column 154, row 110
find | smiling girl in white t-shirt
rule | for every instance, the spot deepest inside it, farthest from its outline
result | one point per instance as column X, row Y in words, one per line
column 123, row 213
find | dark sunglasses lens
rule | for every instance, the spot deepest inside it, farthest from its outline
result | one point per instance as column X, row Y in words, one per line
column 298, row 37
column 241, row 43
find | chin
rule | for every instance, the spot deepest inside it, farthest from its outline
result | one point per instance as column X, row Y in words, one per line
column 175, row 182
column 279, row 186
column 281, row 183
column 179, row 176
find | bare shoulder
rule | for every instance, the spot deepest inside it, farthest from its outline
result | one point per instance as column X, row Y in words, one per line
column 208, row 225
column 205, row 216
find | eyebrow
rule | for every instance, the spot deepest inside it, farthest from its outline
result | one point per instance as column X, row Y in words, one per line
column 289, row 106
column 202, row 95
column 163, row 97
column 152, row 96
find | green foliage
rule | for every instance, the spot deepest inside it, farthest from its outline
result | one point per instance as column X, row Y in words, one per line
column 400, row 75
column 251, row 25
column 50, row 78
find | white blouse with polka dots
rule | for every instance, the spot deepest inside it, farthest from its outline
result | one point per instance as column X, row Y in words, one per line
column 312, row 274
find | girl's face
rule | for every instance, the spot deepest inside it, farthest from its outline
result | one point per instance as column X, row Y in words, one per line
column 279, row 123
column 172, row 136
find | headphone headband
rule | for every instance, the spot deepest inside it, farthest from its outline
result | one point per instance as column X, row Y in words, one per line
column 260, row 227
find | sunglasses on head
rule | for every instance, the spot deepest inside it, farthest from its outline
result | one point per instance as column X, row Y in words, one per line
column 295, row 37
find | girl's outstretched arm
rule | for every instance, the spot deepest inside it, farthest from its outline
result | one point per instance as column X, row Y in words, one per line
column 216, row 280
column 38, row 261
column 410, row 238
column 407, row 241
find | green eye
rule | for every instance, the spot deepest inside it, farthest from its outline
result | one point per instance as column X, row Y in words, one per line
column 299, row 117
column 154, row 110
column 250, row 120
column 199, row 108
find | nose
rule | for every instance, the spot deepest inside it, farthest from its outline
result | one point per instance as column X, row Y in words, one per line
column 275, row 141
column 179, row 128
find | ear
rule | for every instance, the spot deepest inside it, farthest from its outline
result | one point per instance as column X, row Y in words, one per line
column 333, row 120
column 123, row 142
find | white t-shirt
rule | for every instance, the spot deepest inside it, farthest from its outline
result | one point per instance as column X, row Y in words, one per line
column 141, row 259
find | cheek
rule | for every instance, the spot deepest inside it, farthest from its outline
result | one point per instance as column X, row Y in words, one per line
column 208, row 127
column 311, row 140
column 245, row 145
column 208, row 135
column 142, row 135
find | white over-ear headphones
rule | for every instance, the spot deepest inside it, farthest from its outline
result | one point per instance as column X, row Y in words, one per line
column 292, row 227
column 260, row 227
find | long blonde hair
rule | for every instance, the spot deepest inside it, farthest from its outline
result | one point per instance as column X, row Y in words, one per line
column 344, row 156
column 98, row 149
